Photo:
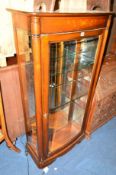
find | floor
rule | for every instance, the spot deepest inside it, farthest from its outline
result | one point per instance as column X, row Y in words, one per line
column 94, row 157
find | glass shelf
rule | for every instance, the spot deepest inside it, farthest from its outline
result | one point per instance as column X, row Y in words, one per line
column 71, row 64
column 61, row 94
column 69, row 48
column 61, row 128
column 67, row 77
column 64, row 54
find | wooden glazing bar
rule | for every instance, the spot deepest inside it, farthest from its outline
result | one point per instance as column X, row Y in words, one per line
column 75, row 77
column 60, row 50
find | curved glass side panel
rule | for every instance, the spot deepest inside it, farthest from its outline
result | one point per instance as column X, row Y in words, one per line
column 71, row 64
column 27, row 78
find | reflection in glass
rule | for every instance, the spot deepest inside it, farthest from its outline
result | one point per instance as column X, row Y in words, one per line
column 32, row 129
column 27, row 71
column 71, row 65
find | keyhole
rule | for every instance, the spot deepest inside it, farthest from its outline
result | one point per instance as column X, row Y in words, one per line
column 40, row 8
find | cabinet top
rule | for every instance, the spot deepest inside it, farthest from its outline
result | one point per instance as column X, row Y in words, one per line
column 60, row 14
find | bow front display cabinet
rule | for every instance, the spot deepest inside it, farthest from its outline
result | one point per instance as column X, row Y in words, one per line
column 59, row 57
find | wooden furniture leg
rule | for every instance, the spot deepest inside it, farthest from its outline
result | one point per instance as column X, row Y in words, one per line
column 3, row 130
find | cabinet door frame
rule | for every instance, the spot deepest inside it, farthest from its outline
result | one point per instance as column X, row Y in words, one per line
column 45, row 52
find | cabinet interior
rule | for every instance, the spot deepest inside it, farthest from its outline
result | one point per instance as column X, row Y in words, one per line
column 70, row 70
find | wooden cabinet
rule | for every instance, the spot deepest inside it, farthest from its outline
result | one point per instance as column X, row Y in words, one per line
column 11, row 112
column 3, row 128
column 11, row 101
column 59, row 57
column 104, row 102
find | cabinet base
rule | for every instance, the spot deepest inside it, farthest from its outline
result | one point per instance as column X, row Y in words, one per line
column 52, row 156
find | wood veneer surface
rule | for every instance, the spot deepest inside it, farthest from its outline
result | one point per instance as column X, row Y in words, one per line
column 11, row 94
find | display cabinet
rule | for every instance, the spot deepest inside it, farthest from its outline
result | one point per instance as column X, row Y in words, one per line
column 59, row 57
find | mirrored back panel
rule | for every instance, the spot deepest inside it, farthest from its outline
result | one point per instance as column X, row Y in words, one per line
column 71, row 64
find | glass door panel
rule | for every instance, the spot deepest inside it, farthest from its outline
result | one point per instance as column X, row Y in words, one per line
column 27, row 77
column 71, row 64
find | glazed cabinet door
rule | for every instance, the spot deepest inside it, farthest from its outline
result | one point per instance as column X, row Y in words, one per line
column 69, row 64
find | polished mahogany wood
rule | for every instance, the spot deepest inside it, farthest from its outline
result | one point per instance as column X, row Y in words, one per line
column 3, row 128
column 46, row 28
column 104, row 101
column 11, row 97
